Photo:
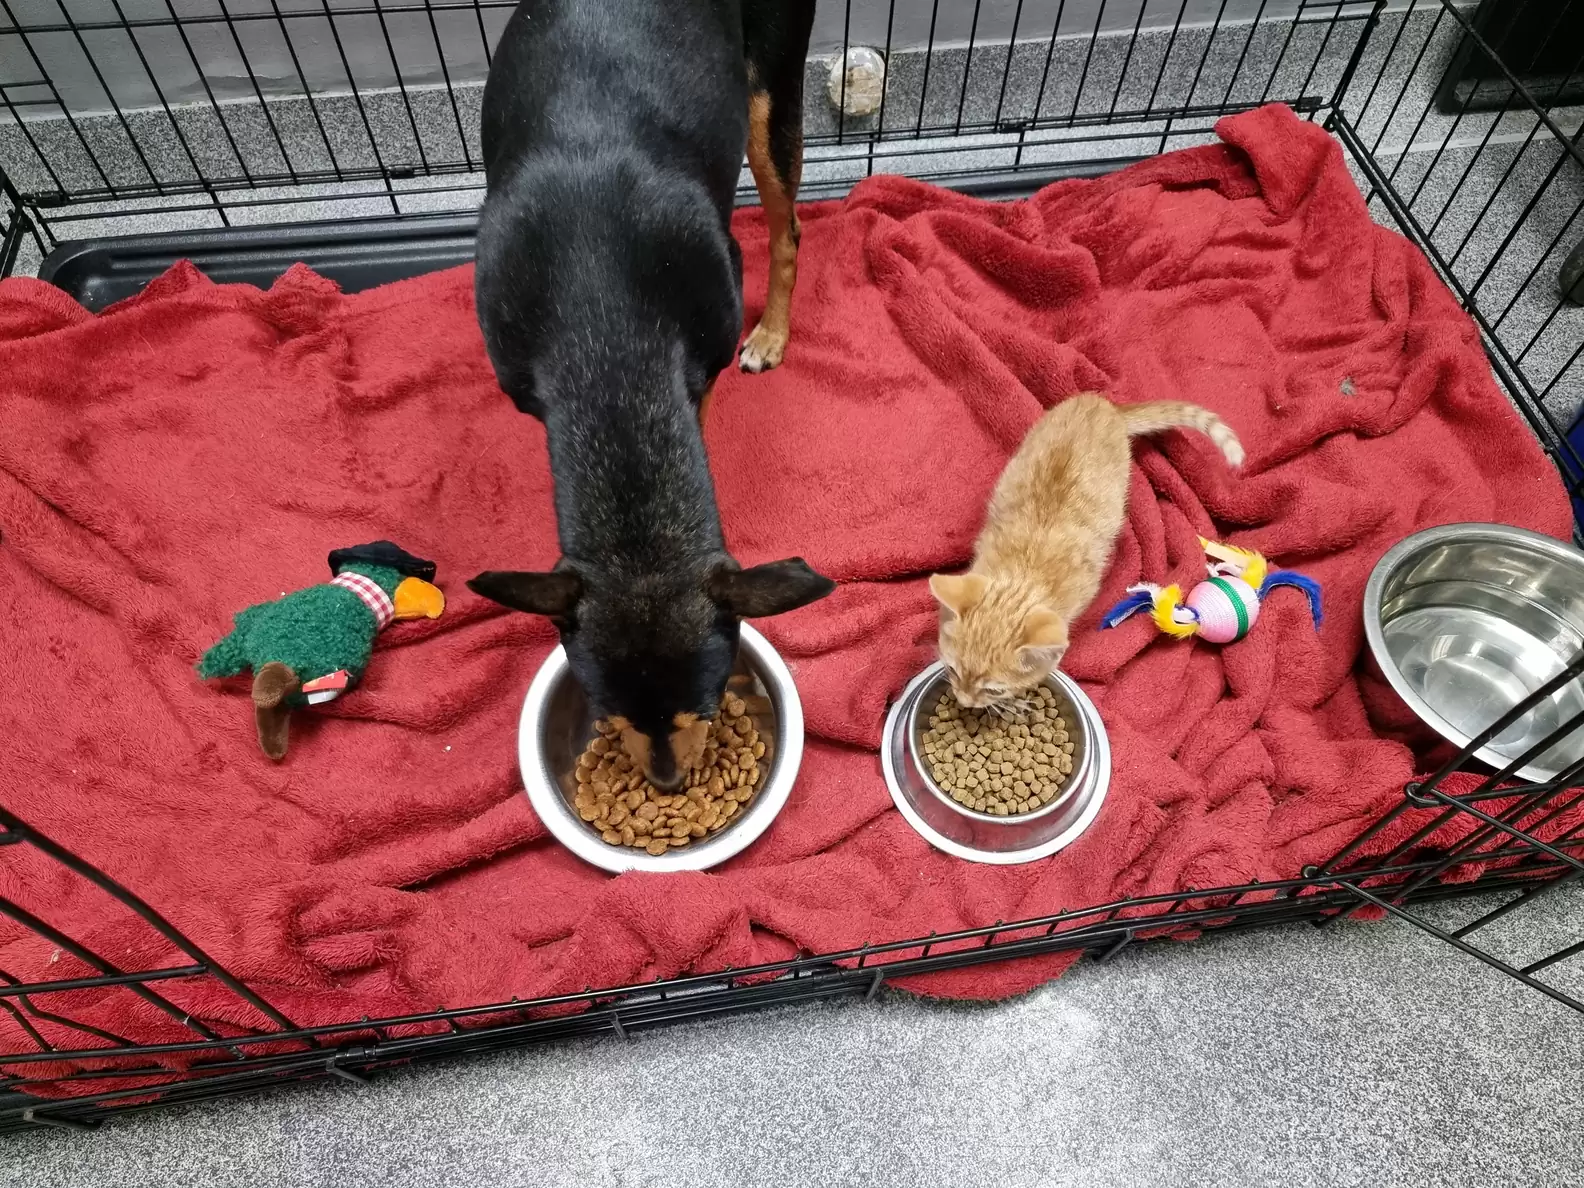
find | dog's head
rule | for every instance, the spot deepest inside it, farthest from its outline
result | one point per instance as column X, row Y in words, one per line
column 653, row 653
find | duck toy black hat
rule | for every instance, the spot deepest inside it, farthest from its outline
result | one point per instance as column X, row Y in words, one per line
column 312, row 645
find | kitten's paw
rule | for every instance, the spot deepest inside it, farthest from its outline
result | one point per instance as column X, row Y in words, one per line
column 764, row 349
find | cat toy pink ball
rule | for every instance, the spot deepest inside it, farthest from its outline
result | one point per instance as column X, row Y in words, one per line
column 1226, row 608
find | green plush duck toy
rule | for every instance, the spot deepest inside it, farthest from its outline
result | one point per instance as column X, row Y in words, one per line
column 312, row 645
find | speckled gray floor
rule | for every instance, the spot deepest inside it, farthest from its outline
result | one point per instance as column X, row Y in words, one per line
column 1364, row 1054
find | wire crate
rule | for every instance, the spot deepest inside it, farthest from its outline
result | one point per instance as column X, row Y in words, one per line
column 246, row 134
column 1488, row 181
column 12, row 229
column 178, row 115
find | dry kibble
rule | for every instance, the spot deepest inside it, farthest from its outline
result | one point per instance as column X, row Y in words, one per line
column 626, row 810
column 994, row 766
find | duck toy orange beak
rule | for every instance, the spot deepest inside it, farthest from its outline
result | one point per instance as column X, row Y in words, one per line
column 417, row 599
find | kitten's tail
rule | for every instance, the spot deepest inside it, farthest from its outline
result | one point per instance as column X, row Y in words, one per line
column 1158, row 415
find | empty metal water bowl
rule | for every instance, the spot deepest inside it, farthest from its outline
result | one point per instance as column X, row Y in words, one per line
column 557, row 724
column 1466, row 620
column 980, row 837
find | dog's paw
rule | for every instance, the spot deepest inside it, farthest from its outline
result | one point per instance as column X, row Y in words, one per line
column 764, row 349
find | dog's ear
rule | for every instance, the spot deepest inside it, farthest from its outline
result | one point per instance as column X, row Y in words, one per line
column 769, row 589
column 553, row 594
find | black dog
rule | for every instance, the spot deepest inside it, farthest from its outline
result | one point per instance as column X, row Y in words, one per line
column 609, row 291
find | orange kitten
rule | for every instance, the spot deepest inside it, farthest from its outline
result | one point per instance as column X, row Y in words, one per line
column 1052, row 521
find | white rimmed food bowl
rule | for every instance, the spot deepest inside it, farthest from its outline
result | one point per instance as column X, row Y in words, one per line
column 557, row 723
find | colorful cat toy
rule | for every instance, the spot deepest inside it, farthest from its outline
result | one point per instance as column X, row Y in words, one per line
column 1223, row 607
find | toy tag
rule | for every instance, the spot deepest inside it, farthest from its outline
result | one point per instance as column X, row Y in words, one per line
column 1224, row 553
column 327, row 687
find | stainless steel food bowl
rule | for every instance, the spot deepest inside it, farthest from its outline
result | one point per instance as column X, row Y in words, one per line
column 557, row 723
column 980, row 837
column 1466, row 620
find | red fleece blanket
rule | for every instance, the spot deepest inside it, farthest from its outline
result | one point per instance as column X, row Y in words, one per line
column 202, row 447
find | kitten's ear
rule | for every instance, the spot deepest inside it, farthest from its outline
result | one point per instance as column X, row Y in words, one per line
column 957, row 593
column 1044, row 640
column 553, row 594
